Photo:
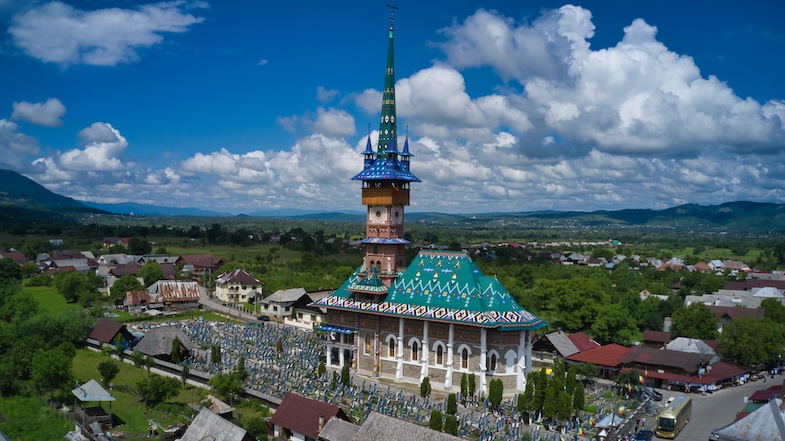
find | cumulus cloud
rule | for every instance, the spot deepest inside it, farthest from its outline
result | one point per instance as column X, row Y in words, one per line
column 103, row 150
column 324, row 95
column 46, row 114
column 15, row 146
column 59, row 33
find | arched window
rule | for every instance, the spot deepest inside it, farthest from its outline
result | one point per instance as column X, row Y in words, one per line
column 367, row 344
column 464, row 358
column 415, row 351
column 492, row 359
column 391, row 348
column 440, row 355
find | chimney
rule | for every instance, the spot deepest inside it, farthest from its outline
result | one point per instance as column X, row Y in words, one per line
column 558, row 330
column 321, row 424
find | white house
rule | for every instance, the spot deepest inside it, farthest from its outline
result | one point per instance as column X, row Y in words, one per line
column 237, row 286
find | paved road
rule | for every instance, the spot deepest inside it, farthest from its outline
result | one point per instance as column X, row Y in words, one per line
column 718, row 409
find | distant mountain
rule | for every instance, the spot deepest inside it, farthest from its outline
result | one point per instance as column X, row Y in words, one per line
column 21, row 192
column 154, row 210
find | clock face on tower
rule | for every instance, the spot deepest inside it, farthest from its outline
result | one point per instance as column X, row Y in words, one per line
column 396, row 215
column 378, row 214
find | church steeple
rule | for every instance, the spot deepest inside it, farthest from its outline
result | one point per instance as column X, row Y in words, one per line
column 386, row 178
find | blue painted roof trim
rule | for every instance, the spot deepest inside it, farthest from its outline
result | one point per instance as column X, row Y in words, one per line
column 382, row 240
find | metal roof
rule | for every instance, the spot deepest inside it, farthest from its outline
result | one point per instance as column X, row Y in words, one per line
column 92, row 391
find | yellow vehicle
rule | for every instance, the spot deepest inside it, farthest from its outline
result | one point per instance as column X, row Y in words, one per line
column 674, row 417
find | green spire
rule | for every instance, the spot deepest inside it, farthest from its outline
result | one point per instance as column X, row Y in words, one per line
column 387, row 124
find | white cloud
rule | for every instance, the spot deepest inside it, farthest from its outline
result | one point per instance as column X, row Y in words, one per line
column 334, row 122
column 324, row 95
column 46, row 114
column 15, row 146
column 104, row 146
column 59, row 33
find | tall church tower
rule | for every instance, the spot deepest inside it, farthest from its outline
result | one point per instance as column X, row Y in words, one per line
column 385, row 186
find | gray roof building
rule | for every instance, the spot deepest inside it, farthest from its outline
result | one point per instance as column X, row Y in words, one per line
column 209, row 426
column 158, row 341
column 767, row 423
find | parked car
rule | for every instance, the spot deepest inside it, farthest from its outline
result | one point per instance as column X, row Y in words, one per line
column 263, row 318
column 714, row 437
column 651, row 392
column 644, row 435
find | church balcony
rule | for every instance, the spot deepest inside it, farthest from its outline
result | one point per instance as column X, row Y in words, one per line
column 385, row 196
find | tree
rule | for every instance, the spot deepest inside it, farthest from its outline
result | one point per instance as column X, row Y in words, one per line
column 425, row 387
column 694, row 321
column 151, row 272
column 215, row 354
column 149, row 362
column 52, row 370
column 452, row 404
column 9, row 270
column 321, row 369
column 70, row 285
column 436, row 421
column 495, row 393
column 614, row 324
column 750, row 341
column 346, row 378
column 177, row 351
column 572, row 373
column 119, row 346
column 451, row 425
column 239, row 370
column 564, row 406
column 472, row 384
column 138, row 359
column 139, row 246
column 108, row 370
column 185, row 374
column 464, row 387
column 227, row 385
column 122, row 285
column 578, row 398
column 157, row 389
column 550, row 405
column 774, row 310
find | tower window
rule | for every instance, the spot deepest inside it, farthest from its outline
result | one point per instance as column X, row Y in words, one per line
column 415, row 351
column 465, row 358
column 391, row 348
column 439, row 355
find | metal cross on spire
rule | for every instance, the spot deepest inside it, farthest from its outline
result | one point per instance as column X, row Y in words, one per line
column 392, row 7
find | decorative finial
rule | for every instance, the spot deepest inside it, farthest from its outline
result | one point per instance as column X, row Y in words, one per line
column 392, row 7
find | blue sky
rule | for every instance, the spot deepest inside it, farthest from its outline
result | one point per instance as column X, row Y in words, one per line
column 244, row 106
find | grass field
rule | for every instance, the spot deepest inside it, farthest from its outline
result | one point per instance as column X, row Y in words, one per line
column 49, row 300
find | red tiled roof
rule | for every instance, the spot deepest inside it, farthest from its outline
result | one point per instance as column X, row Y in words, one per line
column 764, row 395
column 735, row 312
column 301, row 414
column 582, row 341
column 748, row 284
column 16, row 256
column 652, row 357
column 719, row 371
column 609, row 355
column 656, row 336
column 237, row 276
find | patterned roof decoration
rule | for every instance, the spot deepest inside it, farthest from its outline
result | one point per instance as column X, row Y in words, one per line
column 368, row 283
column 442, row 286
column 387, row 168
column 382, row 240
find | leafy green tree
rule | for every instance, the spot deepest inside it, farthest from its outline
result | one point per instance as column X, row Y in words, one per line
column 29, row 269
column 614, row 324
column 437, row 420
column 52, row 370
column 227, row 385
column 321, row 369
column 122, row 285
column 564, row 406
column 472, row 384
column 578, row 398
column 495, row 392
column 550, row 404
column 108, row 370
column 177, row 351
column 425, row 387
column 774, row 310
column 240, row 370
column 9, row 270
column 464, row 386
column 185, row 374
column 750, row 341
column 157, row 389
column 70, row 285
column 151, row 272
column 572, row 303
column 649, row 315
column 452, row 404
column 139, row 246
column 138, row 359
column 540, row 387
column 346, row 378
column 694, row 321
column 451, row 425
column 215, row 354
column 572, row 374
column 256, row 426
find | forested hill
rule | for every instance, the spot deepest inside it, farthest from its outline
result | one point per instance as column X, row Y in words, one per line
column 20, row 192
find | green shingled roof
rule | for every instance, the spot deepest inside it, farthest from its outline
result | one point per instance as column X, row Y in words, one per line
column 442, row 286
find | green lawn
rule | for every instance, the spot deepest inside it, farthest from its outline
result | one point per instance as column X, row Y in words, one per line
column 49, row 300
column 29, row 419
column 128, row 409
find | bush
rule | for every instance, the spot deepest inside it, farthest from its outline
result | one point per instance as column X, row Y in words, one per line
column 452, row 404
column 436, row 422
column 451, row 425
column 425, row 387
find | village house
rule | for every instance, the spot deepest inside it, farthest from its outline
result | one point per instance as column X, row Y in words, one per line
column 299, row 418
column 237, row 286
column 164, row 295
